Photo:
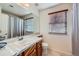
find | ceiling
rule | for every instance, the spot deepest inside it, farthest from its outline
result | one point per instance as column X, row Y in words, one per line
column 14, row 8
column 42, row 6
column 20, row 11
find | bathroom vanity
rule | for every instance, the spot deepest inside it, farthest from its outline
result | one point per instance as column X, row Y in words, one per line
column 35, row 50
column 30, row 45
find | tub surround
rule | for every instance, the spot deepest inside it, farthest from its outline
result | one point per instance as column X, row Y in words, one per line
column 15, row 46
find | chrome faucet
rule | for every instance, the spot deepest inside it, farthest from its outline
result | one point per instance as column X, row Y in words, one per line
column 21, row 38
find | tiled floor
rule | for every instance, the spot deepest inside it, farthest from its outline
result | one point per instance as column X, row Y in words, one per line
column 50, row 53
column 53, row 53
column 57, row 54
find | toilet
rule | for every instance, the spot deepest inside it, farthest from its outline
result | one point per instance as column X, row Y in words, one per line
column 45, row 49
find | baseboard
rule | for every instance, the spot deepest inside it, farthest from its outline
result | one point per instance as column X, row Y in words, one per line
column 59, row 53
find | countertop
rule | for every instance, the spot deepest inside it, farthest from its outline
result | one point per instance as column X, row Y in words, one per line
column 14, row 47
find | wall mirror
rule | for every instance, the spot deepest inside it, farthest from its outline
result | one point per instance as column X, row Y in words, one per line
column 15, row 25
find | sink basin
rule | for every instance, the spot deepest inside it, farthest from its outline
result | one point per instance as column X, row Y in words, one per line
column 24, row 43
column 15, row 47
column 18, row 46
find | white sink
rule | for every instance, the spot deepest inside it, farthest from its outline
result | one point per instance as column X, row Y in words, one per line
column 24, row 42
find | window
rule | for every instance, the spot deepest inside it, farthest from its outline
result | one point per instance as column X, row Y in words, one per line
column 28, row 25
column 58, row 22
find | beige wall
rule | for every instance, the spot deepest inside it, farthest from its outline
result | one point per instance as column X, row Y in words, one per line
column 59, row 43
column 34, row 10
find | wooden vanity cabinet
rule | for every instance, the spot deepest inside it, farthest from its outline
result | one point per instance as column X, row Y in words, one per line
column 35, row 50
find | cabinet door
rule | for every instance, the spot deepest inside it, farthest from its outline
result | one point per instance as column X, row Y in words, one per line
column 39, row 48
column 31, row 51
